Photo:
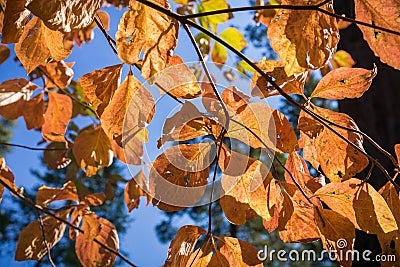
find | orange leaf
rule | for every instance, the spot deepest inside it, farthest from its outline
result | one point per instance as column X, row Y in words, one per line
column 6, row 176
column 234, row 99
column 100, row 85
column 33, row 112
column 361, row 204
column 92, row 150
column 46, row 195
column 338, row 160
column 96, row 199
column 397, row 150
column 57, row 117
column 15, row 17
column 56, row 159
column 31, row 246
column 15, row 89
column 57, row 74
column 66, row 16
column 133, row 97
column 303, row 39
column 238, row 252
column 134, row 190
column 286, row 139
column 178, row 168
column 92, row 254
column 142, row 28
column 344, row 83
column 382, row 13
column 91, row 226
column 298, row 168
column 183, row 245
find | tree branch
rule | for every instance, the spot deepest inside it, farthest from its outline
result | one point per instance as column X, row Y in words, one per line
column 44, row 239
column 32, row 148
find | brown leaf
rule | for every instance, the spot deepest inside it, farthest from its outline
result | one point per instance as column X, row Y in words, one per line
column 15, row 89
column 299, row 170
column 291, row 85
column 65, row 16
column 344, row 83
column 361, row 204
column 15, row 17
column 275, row 192
column 134, row 189
column 397, row 150
column 188, row 123
column 100, row 85
column 92, row 254
column 335, row 228
column 234, row 99
column 238, row 252
column 286, row 139
column 33, row 112
column 56, row 159
column 201, row 257
column 177, row 172
column 4, row 53
column 3, row 5
column 303, row 39
column 92, row 150
column 178, row 79
column 57, row 117
column 6, row 176
column 144, row 29
column 46, row 195
column 96, row 199
column 385, row 45
column 57, row 74
column 91, row 226
column 132, row 150
column 183, row 245
column 31, row 246
column 130, row 97
column 338, row 160
column 246, row 189
column 296, row 219
column 55, row 43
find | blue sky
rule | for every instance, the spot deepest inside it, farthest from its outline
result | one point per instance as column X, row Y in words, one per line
column 140, row 241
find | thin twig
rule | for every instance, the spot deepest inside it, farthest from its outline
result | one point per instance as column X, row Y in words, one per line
column 32, row 148
column 110, row 40
column 44, row 239
column 41, row 209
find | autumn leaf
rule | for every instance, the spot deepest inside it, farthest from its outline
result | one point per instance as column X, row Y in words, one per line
column 238, row 252
column 188, row 123
column 92, row 254
column 92, row 150
column 134, row 189
column 296, row 219
column 397, row 150
column 360, row 203
column 4, row 53
column 65, row 16
column 292, row 84
column 177, row 172
column 15, row 17
column 183, row 245
column 342, row 58
column 46, row 195
column 55, row 156
column 6, row 176
column 303, row 39
column 178, row 80
column 31, row 246
column 130, row 97
column 142, row 28
column 385, row 45
column 336, row 231
column 286, row 139
column 57, row 117
column 211, row 22
column 57, row 74
column 338, row 160
column 96, row 199
column 15, row 89
column 233, row 37
column 235, row 99
column 298, row 169
column 344, row 83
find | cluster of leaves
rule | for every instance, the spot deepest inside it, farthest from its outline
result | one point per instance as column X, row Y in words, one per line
column 301, row 207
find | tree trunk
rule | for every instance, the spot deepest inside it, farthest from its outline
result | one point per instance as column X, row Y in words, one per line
column 377, row 112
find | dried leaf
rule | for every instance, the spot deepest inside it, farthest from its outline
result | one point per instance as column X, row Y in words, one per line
column 15, row 89
column 286, row 139
column 100, row 85
column 134, row 189
column 92, row 254
column 234, row 99
column 183, row 245
column 57, row 117
column 344, row 83
column 92, row 150
column 360, row 203
column 385, row 45
column 56, row 159
column 33, row 112
column 130, row 97
column 4, row 53
column 308, row 48
column 58, row 74
column 46, row 195
column 238, row 252
column 6, row 176
column 142, row 28
column 65, row 16
column 31, row 246
column 15, row 17
column 338, row 160
column 299, row 170
column 201, row 256
column 96, row 199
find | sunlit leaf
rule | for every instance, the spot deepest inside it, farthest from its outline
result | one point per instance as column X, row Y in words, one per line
column 6, row 176
column 56, row 159
column 238, row 252
column 360, row 203
column 15, row 17
column 46, row 195
column 233, row 37
column 342, row 58
column 211, row 22
column 58, row 74
column 134, row 189
column 344, row 83
column 15, row 89
column 303, row 39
